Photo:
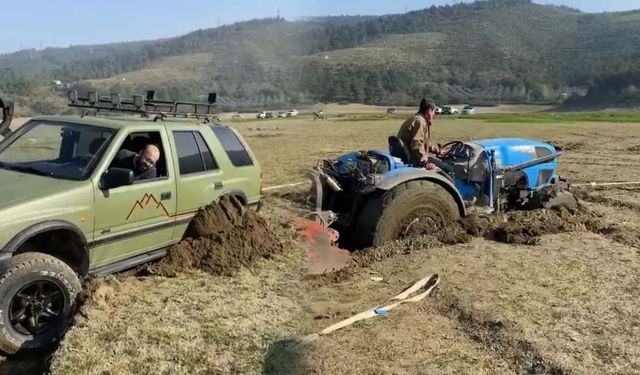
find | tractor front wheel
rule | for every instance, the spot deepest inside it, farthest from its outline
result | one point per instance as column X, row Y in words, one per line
column 413, row 208
column 553, row 198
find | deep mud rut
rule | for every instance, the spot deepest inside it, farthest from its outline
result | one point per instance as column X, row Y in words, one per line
column 517, row 227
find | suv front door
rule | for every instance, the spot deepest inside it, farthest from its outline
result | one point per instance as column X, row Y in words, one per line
column 139, row 218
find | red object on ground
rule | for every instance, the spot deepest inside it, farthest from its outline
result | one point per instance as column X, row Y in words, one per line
column 323, row 255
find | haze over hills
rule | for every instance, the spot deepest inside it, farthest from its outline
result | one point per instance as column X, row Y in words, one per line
column 491, row 51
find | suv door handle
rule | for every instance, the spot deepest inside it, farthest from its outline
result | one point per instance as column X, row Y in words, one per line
column 165, row 196
column 218, row 185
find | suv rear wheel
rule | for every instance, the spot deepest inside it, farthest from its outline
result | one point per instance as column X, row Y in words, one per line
column 37, row 301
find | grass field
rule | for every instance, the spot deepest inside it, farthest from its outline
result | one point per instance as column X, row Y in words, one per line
column 565, row 305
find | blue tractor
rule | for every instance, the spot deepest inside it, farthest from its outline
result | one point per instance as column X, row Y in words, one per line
column 371, row 197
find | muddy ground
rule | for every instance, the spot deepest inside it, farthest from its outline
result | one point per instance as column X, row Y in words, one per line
column 541, row 292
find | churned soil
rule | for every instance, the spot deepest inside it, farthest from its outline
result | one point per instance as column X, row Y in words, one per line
column 223, row 237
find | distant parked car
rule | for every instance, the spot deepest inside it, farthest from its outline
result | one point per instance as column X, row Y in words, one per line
column 392, row 110
column 282, row 114
column 292, row 113
column 449, row 110
column 468, row 110
column 438, row 110
column 269, row 115
column 261, row 115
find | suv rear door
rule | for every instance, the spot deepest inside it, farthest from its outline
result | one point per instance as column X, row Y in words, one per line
column 211, row 161
column 199, row 178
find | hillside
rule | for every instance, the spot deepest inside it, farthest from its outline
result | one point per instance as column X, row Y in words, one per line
column 489, row 51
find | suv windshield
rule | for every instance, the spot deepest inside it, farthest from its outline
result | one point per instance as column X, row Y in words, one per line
column 55, row 149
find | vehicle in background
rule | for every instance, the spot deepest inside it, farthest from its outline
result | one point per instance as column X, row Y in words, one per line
column 449, row 110
column 292, row 113
column 468, row 110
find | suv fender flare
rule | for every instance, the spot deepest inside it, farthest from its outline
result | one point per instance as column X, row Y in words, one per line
column 19, row 239
column 423, row 174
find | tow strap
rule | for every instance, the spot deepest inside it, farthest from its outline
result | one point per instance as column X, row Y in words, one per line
column 428, row 284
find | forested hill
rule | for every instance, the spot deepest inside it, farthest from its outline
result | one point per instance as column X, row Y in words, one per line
column 488, row 51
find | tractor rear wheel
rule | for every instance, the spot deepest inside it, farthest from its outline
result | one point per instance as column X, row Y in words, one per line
column 412, row 208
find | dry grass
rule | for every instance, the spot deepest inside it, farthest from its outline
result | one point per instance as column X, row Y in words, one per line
column 572, row 299
column 590, row 155
column 567, row 305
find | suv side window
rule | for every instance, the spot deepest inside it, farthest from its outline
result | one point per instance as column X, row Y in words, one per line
column 232, row 146
column 133, row 145
column 193, row 154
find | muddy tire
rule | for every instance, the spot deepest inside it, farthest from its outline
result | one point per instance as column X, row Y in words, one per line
column 562, row 199
column 553, row 199
column 391, row 215
column 37, row 301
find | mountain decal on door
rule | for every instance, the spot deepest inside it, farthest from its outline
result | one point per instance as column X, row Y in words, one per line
column 147, row 202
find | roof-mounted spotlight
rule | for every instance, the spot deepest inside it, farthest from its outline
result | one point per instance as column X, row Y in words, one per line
column 73, row 96
column 212, row 97
column 115, row 100
column 138, row 101
column 92, row 97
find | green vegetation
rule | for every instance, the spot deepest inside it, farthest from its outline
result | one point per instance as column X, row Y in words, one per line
column 563, row 117
column 495, row 51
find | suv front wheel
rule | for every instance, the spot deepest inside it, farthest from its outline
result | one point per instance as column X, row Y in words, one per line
column 37, row 300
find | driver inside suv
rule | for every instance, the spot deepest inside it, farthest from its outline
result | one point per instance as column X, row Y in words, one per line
column 142, row 163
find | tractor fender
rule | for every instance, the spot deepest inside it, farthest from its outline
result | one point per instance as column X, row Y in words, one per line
column 423, row 174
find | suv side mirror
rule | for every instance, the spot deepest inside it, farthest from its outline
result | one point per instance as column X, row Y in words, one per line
column 116, row 177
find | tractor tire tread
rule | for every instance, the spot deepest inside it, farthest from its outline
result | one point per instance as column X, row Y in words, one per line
column 371, row 223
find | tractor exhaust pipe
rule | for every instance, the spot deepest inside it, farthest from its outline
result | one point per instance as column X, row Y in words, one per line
column 7, row 116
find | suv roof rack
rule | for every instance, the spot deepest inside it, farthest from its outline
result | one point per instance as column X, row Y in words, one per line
column 144, row 106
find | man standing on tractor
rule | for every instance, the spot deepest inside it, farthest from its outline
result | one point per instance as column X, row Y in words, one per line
column 415, row 133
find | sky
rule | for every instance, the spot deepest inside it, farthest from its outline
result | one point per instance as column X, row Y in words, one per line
column 60, row 23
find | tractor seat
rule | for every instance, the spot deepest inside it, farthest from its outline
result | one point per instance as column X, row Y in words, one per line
column 398, row 149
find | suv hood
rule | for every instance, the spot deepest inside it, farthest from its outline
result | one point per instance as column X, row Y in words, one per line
column 17, row 187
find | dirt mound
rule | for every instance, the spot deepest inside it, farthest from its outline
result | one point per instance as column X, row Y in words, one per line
column 606, row 201
column 526, row 227
column 222, row 238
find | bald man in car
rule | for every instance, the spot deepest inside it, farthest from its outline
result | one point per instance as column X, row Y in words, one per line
column 143, row 163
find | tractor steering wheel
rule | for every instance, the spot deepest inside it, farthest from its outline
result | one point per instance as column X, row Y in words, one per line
column 455, row 147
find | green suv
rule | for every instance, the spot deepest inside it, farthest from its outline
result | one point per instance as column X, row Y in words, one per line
column 72, row 205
